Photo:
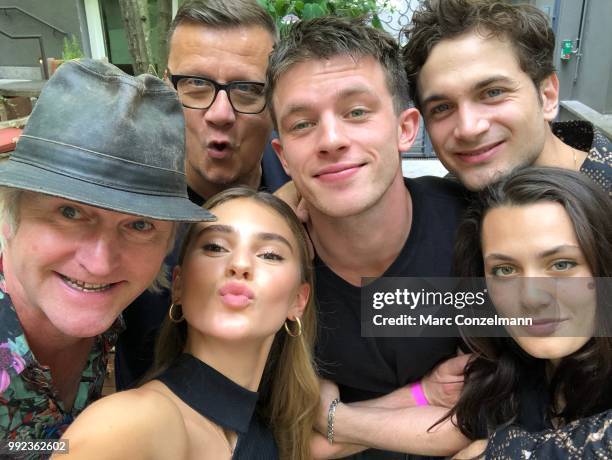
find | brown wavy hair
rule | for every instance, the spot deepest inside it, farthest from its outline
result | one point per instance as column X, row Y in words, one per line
column 524, row 26
column 289, row 389
column 583, row 380
column 330, row 36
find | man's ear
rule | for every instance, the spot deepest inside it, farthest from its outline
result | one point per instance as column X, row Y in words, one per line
column 6, row 230
column 177, row 285
column 277, row 145
column 166, row 78
column 549, row 95
column 301, row 300
column 407, row 129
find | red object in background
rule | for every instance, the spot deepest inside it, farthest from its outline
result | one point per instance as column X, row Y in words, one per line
column 8, row 139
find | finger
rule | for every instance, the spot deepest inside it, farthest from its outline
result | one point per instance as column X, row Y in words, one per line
column 456, row 365
column 289, row 194
column 454, row 388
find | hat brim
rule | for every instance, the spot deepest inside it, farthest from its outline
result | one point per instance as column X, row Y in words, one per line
column 28, row 177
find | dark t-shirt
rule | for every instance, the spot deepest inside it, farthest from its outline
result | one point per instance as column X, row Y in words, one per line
column 143, row 317
column 366, row 367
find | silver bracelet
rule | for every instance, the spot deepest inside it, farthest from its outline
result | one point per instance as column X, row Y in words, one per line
column 331, row 416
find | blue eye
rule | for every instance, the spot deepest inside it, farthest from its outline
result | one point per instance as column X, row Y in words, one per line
column 197, row 82
column 142, row 225
column 503, row 270
column 494, row 92
column 302, row 125
column 69, row 212
column 563, row 265
column 356, row 113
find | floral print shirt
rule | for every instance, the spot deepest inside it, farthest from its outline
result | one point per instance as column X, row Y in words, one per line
column 30, row 407
column 582, row 135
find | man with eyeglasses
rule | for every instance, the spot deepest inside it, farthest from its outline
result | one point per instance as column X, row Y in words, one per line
column 200, row 93
column 217, row 64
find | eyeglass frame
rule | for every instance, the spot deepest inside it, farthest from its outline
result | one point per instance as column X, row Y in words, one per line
column 174, row 79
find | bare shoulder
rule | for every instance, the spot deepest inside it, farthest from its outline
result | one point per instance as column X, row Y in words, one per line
column 143, row 423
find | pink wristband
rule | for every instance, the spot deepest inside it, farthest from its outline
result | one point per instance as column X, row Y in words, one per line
column 416, row 390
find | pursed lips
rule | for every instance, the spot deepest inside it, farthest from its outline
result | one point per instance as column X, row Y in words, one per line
column 235, row 294
column 219, row 149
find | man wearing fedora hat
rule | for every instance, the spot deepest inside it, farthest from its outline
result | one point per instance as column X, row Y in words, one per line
column 89, row 203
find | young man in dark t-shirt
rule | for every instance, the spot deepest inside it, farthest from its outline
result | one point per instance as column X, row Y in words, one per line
column 383, row 362
column 338, row 96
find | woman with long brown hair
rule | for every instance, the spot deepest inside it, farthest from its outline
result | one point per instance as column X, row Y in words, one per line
column 542, row 238
column 233, row 376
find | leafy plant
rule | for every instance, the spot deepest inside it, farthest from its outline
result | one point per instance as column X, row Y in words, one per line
column 72, row 49
column 286, row 12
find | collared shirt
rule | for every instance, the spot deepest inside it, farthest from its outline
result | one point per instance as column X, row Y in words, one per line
column 582, row 135
column 30, row 407
column 224, row 403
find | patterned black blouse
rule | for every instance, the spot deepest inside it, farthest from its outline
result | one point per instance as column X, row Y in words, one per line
column 582, row 135
column 587, row 438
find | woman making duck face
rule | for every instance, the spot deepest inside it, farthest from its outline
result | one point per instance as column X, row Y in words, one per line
column 239, row 281
column 543, row 239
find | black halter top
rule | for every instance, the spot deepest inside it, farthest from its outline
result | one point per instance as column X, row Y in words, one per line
column 223, row 402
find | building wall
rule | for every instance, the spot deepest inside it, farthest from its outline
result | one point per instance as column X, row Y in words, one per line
column 24, row 54
column 587, row 78
column 547, row 6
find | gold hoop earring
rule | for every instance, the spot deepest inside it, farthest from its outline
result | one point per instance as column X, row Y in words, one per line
column 299, row 328
column 171, row 313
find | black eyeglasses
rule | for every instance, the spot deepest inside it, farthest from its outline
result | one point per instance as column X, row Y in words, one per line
column 200, row 93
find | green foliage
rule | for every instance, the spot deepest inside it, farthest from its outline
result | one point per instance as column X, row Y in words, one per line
column 286, row 11
column 72, row 49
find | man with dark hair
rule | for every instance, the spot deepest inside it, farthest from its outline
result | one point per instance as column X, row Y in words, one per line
column 481, row 73
column 339, row 100
column 218, row 53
